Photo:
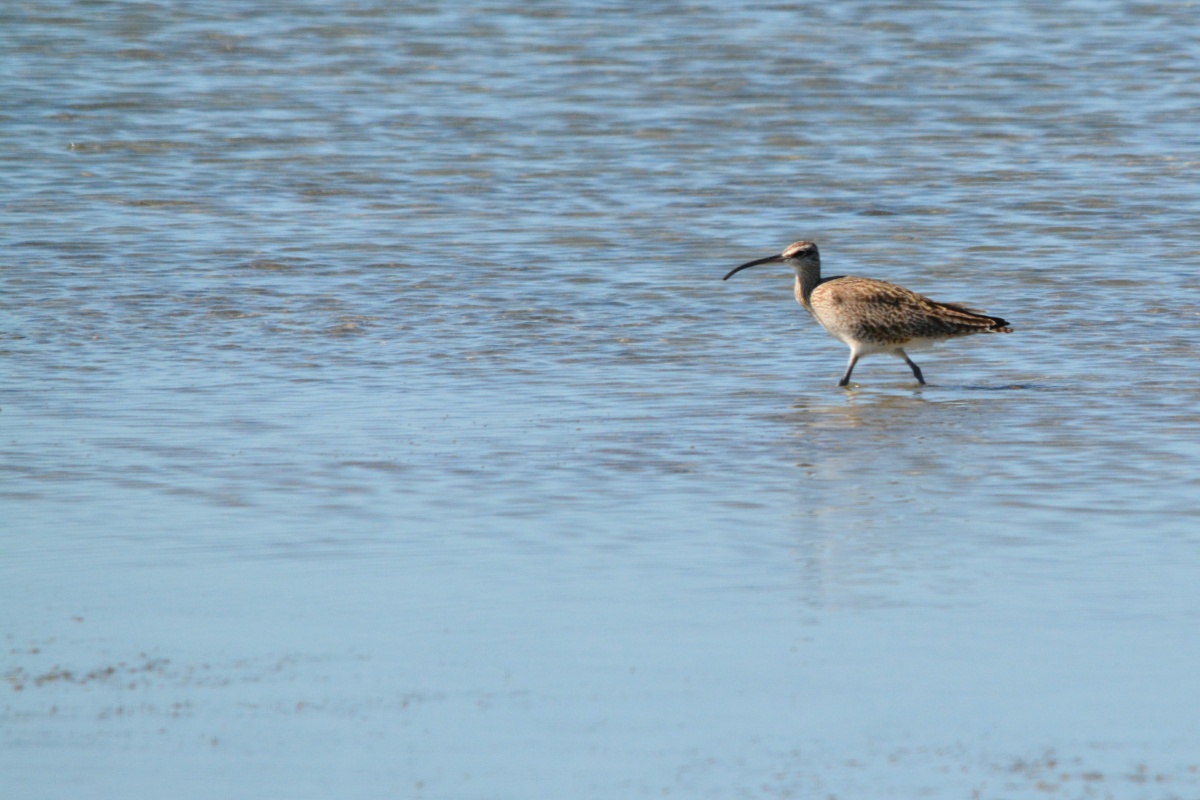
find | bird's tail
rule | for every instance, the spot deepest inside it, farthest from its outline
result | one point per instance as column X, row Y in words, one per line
column 998, row 324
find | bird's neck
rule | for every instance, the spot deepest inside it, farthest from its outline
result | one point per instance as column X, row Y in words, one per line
column 808, row 275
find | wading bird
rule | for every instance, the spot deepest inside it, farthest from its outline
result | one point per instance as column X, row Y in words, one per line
column 872, row 316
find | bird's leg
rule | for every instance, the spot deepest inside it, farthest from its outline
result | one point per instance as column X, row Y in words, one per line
column 849, row 368
column 916, row 370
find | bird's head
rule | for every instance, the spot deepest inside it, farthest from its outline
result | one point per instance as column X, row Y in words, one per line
column 796, row 255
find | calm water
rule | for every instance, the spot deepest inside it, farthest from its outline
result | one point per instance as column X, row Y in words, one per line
column 375, row 423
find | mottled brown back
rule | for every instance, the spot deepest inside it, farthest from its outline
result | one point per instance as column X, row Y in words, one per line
column 883, row 313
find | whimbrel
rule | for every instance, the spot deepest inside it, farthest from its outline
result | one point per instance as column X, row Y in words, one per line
column 873, row 316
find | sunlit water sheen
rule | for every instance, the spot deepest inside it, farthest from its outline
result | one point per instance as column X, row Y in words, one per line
column 375, row 422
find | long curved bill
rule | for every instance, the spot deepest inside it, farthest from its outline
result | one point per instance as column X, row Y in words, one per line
column 754, row 263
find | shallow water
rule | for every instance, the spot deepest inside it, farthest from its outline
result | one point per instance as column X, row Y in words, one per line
column 375, row 421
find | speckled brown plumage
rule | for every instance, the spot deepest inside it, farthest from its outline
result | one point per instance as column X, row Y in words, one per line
column 882, row 313
column 872, row 316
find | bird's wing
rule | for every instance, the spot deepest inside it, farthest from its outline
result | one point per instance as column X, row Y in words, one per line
column 962, row 307
column 883, row 312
